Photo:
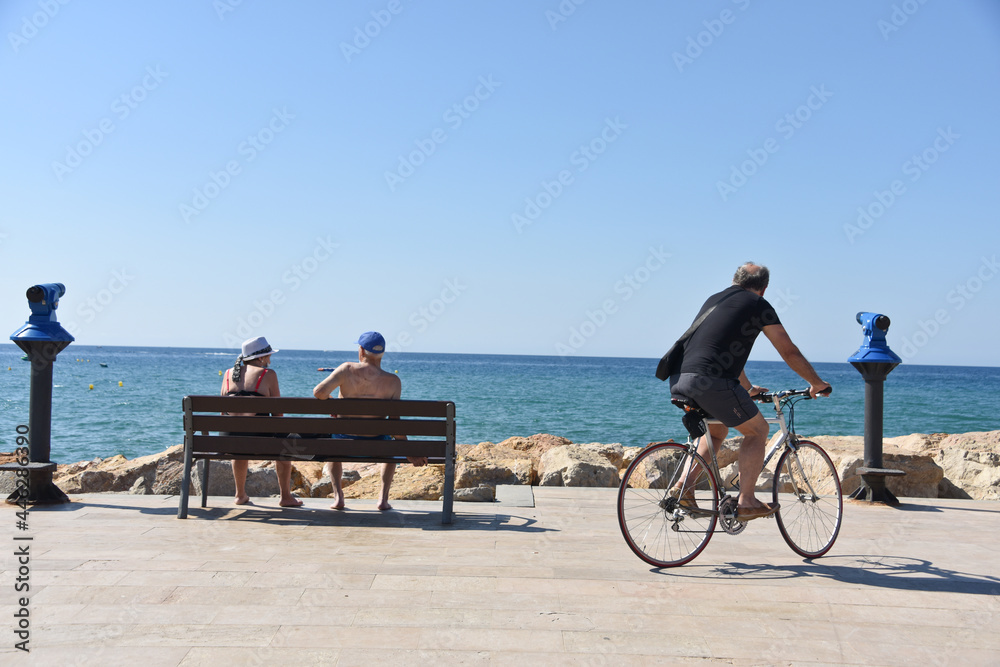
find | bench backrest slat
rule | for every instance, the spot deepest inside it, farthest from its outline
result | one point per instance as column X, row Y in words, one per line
column 312, row 425
column 312, row 406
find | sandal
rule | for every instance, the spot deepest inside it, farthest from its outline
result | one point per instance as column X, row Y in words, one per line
column 745, row 514
column 686, row 501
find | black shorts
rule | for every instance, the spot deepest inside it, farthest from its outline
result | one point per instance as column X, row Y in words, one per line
column 726, row 400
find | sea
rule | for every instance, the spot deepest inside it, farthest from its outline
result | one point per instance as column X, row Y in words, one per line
column 127, row 400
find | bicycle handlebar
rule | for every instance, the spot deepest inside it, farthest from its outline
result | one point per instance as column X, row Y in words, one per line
column 788, row 393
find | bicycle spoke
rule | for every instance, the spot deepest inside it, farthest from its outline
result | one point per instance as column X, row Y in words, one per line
column 807, row 486
column 656, row 524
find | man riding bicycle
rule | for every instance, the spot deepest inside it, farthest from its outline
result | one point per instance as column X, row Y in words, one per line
column 712, row 376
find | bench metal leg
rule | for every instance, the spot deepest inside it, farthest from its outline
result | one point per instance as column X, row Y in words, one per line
column 449, row 485
column 204, row 481
column 182, row 509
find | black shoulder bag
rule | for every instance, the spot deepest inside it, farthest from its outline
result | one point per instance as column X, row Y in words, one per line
column 670, row 363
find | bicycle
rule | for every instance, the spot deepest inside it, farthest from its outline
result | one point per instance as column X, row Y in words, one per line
column 667, row 521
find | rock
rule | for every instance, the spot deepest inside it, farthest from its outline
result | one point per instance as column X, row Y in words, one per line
column 629, row 454
column 262, row 481
column 613, row 452
column 965, row 465
column 169, row 475
column 112, row 475
column 305, row 474
column 96, row 481
column 569, row 465
column 471, row 474
column 321, row 489
column 409, row 483
column 476, row 494
column 971, row 465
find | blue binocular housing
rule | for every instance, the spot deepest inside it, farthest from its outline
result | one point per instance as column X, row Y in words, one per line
column 874, row 348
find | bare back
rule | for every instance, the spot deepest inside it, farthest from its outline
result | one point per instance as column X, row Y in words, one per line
column 367, row 381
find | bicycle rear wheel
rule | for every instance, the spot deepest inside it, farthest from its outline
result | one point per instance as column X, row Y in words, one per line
column 807, row 486
column 667, row 529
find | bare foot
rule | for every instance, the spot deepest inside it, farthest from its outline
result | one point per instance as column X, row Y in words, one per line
column 384, row 507
column 417, row 461
column 291, row 501
column 242, row 500
column 338, row 500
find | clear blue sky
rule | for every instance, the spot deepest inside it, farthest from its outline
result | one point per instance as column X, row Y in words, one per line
column 502, row 177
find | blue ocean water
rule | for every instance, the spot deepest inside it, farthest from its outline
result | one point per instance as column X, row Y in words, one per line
column 585, row 399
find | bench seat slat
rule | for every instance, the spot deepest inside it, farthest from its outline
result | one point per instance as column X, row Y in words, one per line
column 215, row 456
column 302, row 425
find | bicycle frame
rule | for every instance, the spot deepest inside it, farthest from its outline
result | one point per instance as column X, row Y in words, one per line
column 780, row 438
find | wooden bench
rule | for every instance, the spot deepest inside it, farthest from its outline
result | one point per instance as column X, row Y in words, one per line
column 431, row 421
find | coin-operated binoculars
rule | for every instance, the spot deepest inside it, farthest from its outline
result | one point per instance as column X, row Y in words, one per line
column 42, row 338
column 874, row 360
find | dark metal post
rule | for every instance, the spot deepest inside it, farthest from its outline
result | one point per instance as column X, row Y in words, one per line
column 42, row 339
column 874, row 360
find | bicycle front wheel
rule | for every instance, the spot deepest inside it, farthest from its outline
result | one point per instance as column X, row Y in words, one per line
column 666, row 528
column 807, row 486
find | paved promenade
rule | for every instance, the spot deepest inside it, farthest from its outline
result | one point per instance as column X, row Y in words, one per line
column 542, row 578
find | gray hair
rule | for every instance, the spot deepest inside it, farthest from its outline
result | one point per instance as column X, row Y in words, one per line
column 752, row 277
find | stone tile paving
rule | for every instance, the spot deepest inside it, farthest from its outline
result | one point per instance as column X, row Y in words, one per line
column 117, row 579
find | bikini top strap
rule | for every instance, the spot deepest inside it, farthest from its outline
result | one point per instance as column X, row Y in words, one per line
column 227, row 382
column 259, row 378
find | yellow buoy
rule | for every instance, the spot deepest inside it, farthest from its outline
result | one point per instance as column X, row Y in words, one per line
column 120, row 384
column 220, row 372
column 91, row 386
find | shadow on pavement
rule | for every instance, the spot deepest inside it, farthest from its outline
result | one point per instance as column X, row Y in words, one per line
column 896, row 572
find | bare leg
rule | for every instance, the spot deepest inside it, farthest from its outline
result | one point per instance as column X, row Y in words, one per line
column 335, row 470
column 754, row 432
column 284, row 470
column 388, row 472
column 718, row 432
column 240, row 477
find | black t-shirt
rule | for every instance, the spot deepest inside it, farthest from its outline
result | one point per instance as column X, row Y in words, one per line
column 721, row 345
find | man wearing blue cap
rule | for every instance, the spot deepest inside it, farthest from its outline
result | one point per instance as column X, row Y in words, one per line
column 363, row 379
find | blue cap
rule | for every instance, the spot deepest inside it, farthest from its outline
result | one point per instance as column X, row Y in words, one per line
column 372, row 341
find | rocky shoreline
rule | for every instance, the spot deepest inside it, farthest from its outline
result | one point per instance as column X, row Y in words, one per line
column 963, row 465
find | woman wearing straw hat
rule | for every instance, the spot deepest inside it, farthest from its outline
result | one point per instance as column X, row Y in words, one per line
column 251, row 370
